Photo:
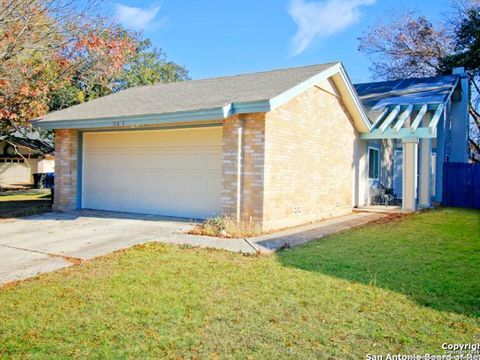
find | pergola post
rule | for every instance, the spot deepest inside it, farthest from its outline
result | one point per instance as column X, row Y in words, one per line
column 424, row 187
column 410, row 170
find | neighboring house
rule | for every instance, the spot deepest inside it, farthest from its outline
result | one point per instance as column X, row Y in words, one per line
column 283, row 147
column 22, row 154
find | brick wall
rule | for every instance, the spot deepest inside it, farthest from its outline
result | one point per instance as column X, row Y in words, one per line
column 310, row 162
column 66, row 143
column 243, row 149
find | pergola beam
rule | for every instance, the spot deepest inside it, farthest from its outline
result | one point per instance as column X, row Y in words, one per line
column 403, row 118
column 393, row 125
column 402, row 133
column 435, row 119
column 379, row 118
column 419, row 118
column 390, row 119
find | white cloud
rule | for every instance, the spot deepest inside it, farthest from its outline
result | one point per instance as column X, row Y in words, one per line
column 135, row 18
column 321, row 19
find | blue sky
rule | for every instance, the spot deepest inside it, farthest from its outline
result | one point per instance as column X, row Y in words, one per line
column 225, row 37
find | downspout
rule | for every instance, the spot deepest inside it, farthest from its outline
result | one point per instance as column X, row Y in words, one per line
column 239, row 169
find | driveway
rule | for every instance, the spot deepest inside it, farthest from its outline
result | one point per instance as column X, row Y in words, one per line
column 47, row 242
column 51, row 241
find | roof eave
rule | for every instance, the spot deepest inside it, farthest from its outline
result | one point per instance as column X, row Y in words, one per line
column 217, row 113
column 356, row 108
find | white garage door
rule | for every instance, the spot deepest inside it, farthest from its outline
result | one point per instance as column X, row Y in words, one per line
column 164, row 172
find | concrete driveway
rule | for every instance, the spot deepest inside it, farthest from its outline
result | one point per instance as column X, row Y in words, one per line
column 43, row 243
column 50, row 241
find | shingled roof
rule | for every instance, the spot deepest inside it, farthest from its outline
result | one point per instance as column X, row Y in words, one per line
column 412, row 91
column 397, row 108
column 34, row 139
column 190, row 95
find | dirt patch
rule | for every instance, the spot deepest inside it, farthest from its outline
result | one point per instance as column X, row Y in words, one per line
column 391, row 217
column 70, row 259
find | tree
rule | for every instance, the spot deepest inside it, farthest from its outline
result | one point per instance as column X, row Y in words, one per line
column 150, row 66
column 408, row 46
column 412, row 46
column 95, row 59
column 44, row 45
column 146, row 66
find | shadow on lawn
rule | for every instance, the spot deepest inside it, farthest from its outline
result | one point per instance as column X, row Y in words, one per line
column 433, row 258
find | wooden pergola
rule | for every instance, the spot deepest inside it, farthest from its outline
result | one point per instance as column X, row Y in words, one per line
column 416, row 126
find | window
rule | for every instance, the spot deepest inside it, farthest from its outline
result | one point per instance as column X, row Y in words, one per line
column 373, row 163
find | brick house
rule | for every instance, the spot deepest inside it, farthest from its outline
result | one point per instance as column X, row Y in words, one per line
column 283, row 147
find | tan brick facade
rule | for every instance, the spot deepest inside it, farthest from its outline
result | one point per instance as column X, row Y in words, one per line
column 310, row 162
column 66, row 145
column 298, row 163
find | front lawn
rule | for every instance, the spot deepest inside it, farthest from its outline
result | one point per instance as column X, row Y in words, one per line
column 24, row 202
column 401, row 287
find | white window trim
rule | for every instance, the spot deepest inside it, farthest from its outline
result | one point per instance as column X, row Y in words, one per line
column 368, row 162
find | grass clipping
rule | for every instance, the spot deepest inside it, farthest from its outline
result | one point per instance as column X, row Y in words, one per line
column 227, row 227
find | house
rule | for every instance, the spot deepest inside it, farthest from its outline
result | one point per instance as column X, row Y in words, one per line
column 283, row 147
column 23, row 153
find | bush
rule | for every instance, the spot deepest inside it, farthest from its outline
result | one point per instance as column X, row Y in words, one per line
column 228, row 227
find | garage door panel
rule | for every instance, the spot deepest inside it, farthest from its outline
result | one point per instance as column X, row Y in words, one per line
column 174, row 172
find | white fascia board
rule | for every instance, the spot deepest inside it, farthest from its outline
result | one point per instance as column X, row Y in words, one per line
column 158, row 119
column 288, row 95
column 354, row 96
column 348, row 93
column 134, row 121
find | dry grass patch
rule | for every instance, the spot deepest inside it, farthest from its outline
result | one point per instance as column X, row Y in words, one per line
column 228, row 227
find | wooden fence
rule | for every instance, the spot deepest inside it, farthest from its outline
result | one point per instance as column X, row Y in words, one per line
column 461, row 185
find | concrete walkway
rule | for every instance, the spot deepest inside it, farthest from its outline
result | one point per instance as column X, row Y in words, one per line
column 51, row 241
column 275, row 241
column 303, row 234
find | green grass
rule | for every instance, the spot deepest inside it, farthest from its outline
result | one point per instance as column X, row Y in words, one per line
column 406, row 286
column 23, row 203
